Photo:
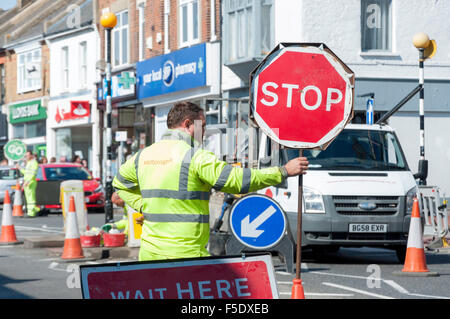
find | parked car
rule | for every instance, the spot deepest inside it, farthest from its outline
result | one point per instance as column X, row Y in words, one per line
column 8, row 180
column 93, row 190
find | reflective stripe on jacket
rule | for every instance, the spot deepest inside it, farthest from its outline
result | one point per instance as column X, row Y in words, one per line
column 30, row 171
column 170, row 182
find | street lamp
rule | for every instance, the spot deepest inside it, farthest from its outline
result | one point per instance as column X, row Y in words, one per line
column 427, row 49
column 108, row 20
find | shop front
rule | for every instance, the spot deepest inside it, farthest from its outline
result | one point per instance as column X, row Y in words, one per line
column 27, row 122
column 189, row 74
column 70, row 130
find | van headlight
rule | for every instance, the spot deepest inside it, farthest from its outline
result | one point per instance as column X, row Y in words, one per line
column 410, row 195
column 312, row 201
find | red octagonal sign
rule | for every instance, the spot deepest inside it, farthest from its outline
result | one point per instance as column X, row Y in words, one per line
column 302, row 95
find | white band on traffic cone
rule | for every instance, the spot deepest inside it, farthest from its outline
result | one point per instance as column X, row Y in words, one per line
column 7, row 215
column 72, row 226
column 415, row 237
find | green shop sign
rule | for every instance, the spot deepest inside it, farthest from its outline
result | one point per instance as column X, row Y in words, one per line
column 25, row 112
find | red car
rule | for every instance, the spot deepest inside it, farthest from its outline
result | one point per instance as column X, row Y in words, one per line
column 93, row 189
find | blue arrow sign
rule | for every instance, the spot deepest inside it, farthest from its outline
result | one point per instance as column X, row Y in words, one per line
column 257, row 221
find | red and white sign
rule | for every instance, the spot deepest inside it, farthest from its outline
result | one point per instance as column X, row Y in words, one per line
column 302, row 95
column 202, row 278
column 78, row 109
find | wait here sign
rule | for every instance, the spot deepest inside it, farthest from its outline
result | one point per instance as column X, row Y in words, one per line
column 233, row 277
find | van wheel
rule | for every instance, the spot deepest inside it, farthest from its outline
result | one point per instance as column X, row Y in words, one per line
column 400, row 252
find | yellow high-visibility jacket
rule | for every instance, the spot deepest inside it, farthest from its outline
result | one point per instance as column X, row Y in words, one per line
column 170, row 183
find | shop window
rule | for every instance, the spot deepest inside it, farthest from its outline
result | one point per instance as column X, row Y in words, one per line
column 29, row 71
column 189, row 22
column 120, row 39
column 29, row 129
column 376, row 25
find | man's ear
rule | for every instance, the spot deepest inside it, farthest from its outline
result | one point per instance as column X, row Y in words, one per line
column 186, row 123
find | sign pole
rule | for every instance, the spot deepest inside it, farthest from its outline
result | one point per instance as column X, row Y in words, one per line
column 108, row 20
column 297, row 287
column 299, row 223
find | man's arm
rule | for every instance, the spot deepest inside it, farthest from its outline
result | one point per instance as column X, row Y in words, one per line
column 236, row 180
column 126, row 184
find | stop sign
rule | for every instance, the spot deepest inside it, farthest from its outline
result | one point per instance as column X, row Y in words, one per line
column 302, row 95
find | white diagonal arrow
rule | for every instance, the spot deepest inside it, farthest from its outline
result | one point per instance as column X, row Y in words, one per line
column 250, row 229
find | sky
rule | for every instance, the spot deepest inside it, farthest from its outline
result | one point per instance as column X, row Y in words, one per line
column 7, row 4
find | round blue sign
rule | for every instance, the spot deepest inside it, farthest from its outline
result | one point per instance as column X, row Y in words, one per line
column 168, row 73
column 257, row 221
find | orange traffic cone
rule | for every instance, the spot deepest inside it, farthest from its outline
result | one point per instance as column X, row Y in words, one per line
column 297, row 290
column 415, row 262
column 17, row 207
column 72, row 243
column 8, row 236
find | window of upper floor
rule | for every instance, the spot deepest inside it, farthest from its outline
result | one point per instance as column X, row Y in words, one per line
column 82, row 52
column 141, row 14
column 121, row 40
column 65, row 68
column 376, row 25
column 29, row 70
column 189, row 22
column 248, row 29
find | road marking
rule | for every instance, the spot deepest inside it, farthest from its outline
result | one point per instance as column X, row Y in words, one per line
column 38, row 229
column 356, row 290
column 396, row 286
column 429, row 296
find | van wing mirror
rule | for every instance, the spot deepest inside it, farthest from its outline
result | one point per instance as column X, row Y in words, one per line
column 422, row 171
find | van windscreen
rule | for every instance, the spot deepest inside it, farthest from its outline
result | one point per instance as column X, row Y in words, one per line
column 358, row 150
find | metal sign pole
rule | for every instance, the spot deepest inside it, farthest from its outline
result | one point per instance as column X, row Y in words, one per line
column 423, row 178
column 109, row 214
column 299, row 224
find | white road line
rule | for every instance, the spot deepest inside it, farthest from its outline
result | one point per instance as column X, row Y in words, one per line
column 396, row 286
column 18, row 227
column 391, row 283
column 356, row 290
column 429, row 296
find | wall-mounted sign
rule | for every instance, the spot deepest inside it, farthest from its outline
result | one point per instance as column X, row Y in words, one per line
column 176, row 71
column 78, row 109
column 122, row 85
column 25, row 112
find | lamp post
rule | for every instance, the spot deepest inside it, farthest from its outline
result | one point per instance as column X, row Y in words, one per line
column 108, row 20
column 421, row 41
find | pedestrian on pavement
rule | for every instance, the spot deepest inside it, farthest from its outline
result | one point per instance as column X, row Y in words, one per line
column 30, row 183
column 52, row 159
column 170, row 183
column 76, row 159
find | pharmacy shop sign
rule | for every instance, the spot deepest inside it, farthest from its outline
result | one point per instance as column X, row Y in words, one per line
column 26, row 112
column 173, row 72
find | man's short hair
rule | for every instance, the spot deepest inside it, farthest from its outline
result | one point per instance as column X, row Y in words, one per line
column 182, row 111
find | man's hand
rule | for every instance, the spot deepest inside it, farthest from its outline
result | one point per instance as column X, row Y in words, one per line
column 297, row 166
column 139, row 220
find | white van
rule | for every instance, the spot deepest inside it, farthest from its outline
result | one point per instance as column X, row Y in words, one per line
column 358, row 192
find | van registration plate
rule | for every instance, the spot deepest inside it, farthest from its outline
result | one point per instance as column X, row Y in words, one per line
column 367, row 228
